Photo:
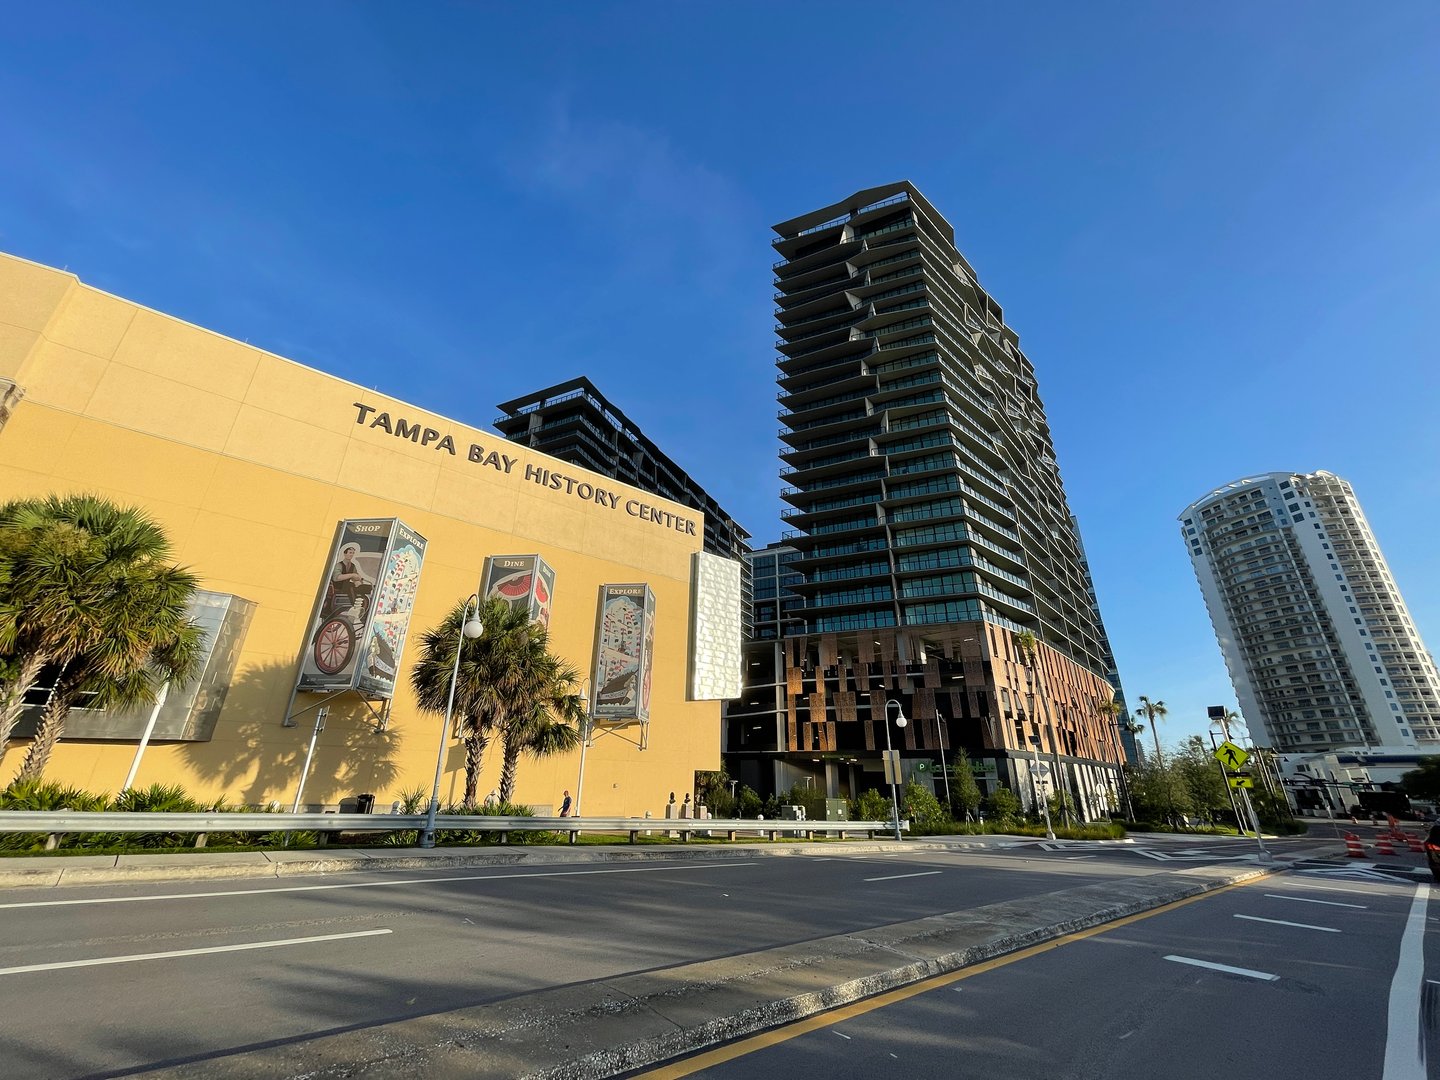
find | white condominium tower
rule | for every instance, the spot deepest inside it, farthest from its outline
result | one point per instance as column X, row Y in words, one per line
column 1320, row 646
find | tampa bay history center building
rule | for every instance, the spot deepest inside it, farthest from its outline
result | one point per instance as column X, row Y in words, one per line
column 330, row 526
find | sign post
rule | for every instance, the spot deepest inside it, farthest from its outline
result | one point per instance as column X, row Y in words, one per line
column 1227, row 753
column 1230, row 787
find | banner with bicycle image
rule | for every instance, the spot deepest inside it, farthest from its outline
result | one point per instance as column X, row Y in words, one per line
column 362, row 611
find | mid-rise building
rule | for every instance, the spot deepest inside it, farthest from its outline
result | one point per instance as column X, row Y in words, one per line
column 929, row 526
column 574, row 422
column 1317, row 639
column 772, row 582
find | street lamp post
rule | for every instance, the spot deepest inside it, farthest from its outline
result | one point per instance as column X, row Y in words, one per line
column 1044, row 802
column 1128, row 807
column 940, row 721
column 470, row 628
column 584, row 744
column 900, row 722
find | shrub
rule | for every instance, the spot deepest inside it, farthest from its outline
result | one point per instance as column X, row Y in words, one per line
column 870, row 806
column 49, row 796
column 1003, row 805
column 810, row 798
column 749, row 801
column 156, row 799
column 924, row 810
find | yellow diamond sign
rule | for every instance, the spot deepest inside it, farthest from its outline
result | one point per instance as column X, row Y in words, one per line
column 1231, row 756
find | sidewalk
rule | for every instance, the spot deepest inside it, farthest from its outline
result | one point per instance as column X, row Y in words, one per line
column 46, row 871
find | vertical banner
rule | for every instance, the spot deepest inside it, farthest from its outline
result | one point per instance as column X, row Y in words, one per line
column 522, row 581
column 343, row 647
column 390, row 618
column 624, row 653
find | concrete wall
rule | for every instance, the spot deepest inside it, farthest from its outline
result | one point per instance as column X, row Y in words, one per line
column 248, row 460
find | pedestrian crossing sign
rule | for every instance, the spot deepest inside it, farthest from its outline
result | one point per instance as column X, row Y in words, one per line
column 1231, row 756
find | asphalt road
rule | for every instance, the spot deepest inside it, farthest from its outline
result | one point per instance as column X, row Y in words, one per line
column 106, row 981
column 1316, row 995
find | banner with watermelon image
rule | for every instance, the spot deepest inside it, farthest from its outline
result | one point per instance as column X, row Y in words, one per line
column 525, row 581
column 624, row 649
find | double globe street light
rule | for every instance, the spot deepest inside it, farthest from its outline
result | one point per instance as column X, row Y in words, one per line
column 470, row 628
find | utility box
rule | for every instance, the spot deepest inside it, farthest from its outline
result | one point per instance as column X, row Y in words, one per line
column 792, row 813
column 837, row 809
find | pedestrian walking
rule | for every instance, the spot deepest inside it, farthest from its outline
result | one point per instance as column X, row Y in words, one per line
column 565, row 805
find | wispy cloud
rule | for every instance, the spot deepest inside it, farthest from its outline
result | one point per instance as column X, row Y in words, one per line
column 676, row 215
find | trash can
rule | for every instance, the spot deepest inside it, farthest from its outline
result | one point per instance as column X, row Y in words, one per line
column 365, row 804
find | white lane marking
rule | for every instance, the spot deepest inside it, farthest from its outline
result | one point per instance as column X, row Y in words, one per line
column 1354, row 873
column 844, row 1036
column 101, row 961
column 1282, row 922
column 1225, row 968
column 371, row 885
column 1404, row 1047
column 1072, row 858
column 1312, row 900
column 897, row 877
column 1336, row 887
column 1126, row 1035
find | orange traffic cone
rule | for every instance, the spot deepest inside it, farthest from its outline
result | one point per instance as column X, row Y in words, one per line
column 1414, row 842
column 1384, row 847
column 1353, row 848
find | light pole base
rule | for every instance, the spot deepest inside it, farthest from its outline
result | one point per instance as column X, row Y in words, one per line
column 427, row 839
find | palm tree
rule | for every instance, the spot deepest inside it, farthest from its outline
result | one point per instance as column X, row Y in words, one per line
column 483, row 664
column 1134, row 727
column 1153, row 711
column 39, row 555
column 1108, row 711
column 1225, row 719
column 510, row 686
column 99, row 601
column 552, row 725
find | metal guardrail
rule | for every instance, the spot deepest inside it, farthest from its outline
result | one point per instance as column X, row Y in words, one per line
column 55, row 824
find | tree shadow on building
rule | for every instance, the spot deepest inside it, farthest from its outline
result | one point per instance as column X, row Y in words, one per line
column 254, row 759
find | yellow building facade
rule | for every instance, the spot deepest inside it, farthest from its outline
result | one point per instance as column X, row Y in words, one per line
column 248, row 461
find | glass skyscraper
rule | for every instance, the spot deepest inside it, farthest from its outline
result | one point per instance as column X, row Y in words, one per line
column 928, row 520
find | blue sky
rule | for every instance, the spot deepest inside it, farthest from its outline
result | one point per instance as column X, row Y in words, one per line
column 1216, row 228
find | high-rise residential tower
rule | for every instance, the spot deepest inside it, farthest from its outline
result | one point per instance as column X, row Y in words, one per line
column 928, row 519
column 1320, row 646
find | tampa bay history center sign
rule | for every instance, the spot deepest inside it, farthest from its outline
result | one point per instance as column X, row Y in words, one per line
column 399, row 427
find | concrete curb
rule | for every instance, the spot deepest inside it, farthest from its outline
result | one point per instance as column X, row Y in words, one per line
column 151, row 868
column 612, row 1026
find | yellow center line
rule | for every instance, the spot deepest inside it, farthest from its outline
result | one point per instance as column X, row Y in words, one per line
column 700, row 1062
